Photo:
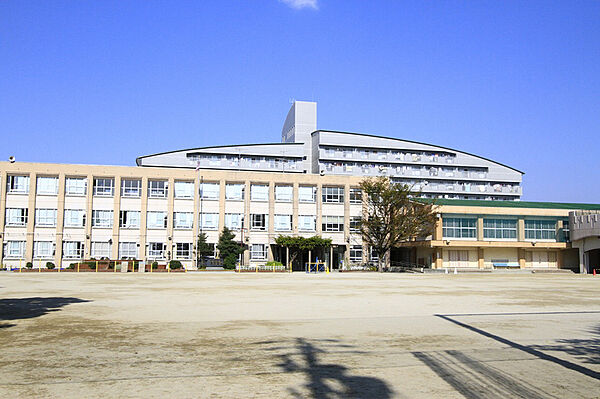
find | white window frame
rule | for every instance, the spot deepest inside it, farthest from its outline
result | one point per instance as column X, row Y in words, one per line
column 47, row 185
column 307, row 223
column 354, row 224
column 307, row 194
column 45, row 217
column 462, row 231
column 546, row 231
column 258, row 251
column 14, row 249
column 282, row 222
column 235, row 191
column 156, row 220
column 355, row 196
column 259, row 192
column 76, row 186
column 284, row 193
column 17, row 184
column 157, row 250
column 131, row 188
column 158, row 188
column 333, row 194
column 184, row 189
column 183, row 220
column 43, row 249
column 356, row 254
column 130, row 219
column 128, row 250
column 102, row 218
column 209, row 221
column 333, row 224
column 77, row 215
column 210, row 191
column 73, row 250
column 104, row 187
column 100, row 249
column 17, row 217
column 234, row 221
column 183, row 250
column 502, row 229
column 259, row 222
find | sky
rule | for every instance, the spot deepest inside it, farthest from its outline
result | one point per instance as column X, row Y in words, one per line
column 103, row 82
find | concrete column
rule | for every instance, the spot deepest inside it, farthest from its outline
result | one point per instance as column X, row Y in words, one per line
column 246, row 255
column 60, row 221
column 522, row 260
column 31, row 217
column 479, row 228
column 480, row 258
column 196, row 222
column 438, row 231
column 116, row 215
column 170, row 210
column 559, row 257
column 142, row 254
column 582, row 259
column 222, row 189
column 319, row 209
column 439, row 259
column 295, row 209
column 521, row 229
column 3, row 178
column 88, row 212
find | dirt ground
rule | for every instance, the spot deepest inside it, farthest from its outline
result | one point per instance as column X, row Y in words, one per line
column 221, row 335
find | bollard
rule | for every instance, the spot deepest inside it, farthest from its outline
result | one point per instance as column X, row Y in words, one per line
column 96, row 266
column 594, row 271
column 19, row 265
column 455, row 271
column 77, row 267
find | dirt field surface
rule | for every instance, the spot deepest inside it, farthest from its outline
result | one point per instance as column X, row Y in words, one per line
column 222, row 335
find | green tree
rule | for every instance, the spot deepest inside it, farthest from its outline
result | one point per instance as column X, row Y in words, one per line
column 203, row 249
column 296, row 244
column 392, row 215
column 229, row 250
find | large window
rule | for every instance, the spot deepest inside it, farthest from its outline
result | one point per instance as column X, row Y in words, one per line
column 307, row 193
column 355, row 223
column 258, row 251
column 458, row 258
column 104, row 187
column 459, row 228
column 540, row 229
column 47, row 185
column 74, row 218
column 259, row 221
column 16, row 216
column 183, row 220
column 45, row 217
column 183, row 250
column 209, row 191
column 156, row 250
column 14, row 249
column 43, row 249
column 259, row 192
column 333, row 223
column 102, row 218
column 501, row 229
column 131, row 188
column 333, row 195
column 356, row 253
column 100, row 250
column 234, row 221
column 307, row 222
column 355, row 196
column 184, row 190
column 284, row 193
column 75, row 186
column 129, row 219
column 156, row 220
column 209, row 221
column 128, row 250
column 73, row 250
column 282, row 222
column 234, row 192
column 17, row 184
column 158, row 188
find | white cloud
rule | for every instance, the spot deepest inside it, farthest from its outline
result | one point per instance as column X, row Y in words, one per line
column 298, row 4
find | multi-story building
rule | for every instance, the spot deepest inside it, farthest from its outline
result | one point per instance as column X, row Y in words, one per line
column 156, row 210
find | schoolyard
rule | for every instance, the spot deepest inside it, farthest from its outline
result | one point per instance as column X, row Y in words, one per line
column 348, row 335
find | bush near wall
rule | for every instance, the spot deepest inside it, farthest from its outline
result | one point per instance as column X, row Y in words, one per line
column 49, row 265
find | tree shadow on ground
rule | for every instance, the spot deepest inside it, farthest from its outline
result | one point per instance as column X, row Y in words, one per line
column 28, row 308
column 325, row 381
column 586, row 350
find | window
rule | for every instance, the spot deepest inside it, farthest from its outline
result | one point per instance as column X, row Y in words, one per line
column 234, row 192
column 355, row 196
column 183, row 250
column 234, row 221
column 47, row 185
column 333, row 223
column 503, row 229
column 102, row 218
column 284, row 193
column 156, row 220
column 209, row 191
column 17, row 185
column 355, row 223
column 459, row 228
column 540, row 229
column 307, row 222
column 100, row 250
column 283, row 222
column 307, row 193
column 104, row 187
column 128, row 250
column 131, row 188
column 259, row 221
column 356, row 253
column 75, row 186
column 129, row 219
column 156, row 250
column 45, row 217
column 258, row 252
column 158, row 188
column 73, row 250
column 373, row 255
column 458, row 258
column 333, row 195
column 14, row 249
column 74, row 218
column 184, row 189
column 209, row 221
column 43, row 249
column 16, row 216
column 259, row 192
column 183, row 220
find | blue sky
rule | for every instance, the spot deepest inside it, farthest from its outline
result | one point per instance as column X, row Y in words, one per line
column 103, row 82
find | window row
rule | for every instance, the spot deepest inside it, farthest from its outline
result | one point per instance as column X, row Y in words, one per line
column 498, row 229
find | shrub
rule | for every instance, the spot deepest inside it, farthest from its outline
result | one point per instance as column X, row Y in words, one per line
column 175, row 264
column 154, row 265
column 91, row 265
column 29, row 265
column 72, row 266
column 274, row 263
column 230, row 261
column 49, row 265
